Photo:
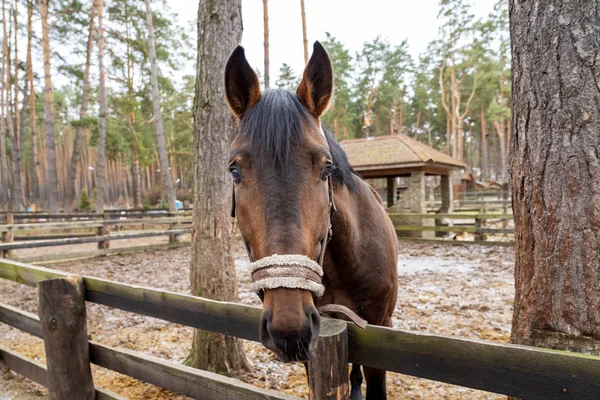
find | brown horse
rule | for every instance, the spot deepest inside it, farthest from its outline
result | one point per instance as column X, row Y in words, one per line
column 293, row 187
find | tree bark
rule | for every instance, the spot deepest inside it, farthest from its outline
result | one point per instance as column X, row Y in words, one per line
column 34, row 190
column 160, row 132
column 266, row 41
column 100, row 174
column 555, row 172
column 75, row 156
column 212, row 269
column 4, row 180
column 304, row 36
column 52, row 186
column 16, row 200
column 483, row 144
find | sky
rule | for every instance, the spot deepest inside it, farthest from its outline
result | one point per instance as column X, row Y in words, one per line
column 352, row 22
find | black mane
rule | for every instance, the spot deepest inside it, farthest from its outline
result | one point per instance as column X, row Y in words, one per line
column 275, row 126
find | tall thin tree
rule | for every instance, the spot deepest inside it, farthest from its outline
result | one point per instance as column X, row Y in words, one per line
column 160, row 132
column 304, row 36
column 266, row 41
column 555, row 173
column 212, row 271
column 79, row 131
column 16, row 200
column 52, row 184
column 4, row 180
column 34, row 189
column 100, row 166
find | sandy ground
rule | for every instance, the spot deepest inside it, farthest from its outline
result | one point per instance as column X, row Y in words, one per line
column 463, row 291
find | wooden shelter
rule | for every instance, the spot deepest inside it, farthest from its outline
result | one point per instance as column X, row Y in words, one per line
column 400, row 156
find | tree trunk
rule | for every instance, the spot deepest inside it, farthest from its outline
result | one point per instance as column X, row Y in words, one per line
column 555, row 173
column 137, row 182
column 16, row 201
column 4, row 181
column 34, row 190
column 400, row 122
column 100, row 175
column 212, row 270
column 304, row 36
column 503, row 157
column 52, row 184
column 160, row 132
column 15, row 14
column 266, row 41
column 75, row 156
column 483, row 145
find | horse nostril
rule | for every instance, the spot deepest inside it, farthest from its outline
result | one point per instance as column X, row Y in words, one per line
column 263, row 330
column 315, row 321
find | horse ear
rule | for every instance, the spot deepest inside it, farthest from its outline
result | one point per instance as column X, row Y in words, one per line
column 316, row 86
column 242, row 88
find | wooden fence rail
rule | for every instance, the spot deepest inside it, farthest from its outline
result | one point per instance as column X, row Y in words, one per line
column 521, row 371
column 169, row 375
column 477, row 228
column 77, row 233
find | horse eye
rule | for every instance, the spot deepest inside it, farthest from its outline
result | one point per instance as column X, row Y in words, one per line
column 326, row 172
column 235, row 173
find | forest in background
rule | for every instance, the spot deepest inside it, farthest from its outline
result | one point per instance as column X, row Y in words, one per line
column 455, row 97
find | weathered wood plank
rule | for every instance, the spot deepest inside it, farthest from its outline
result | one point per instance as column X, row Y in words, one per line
column 328, row 370
column 91, row 224
column 64, row 329
column 50, row 226
column 30, row 369
column 29, row 238
column 215, row 316
column 92, row 239
column 453, row 216
column 37, row 372
column 80, row 255
column 421, row 228
column 522, row 371
column 178, row 378
column 27, row 274
column 533, row 373
column 457, row 242
column 20, row 319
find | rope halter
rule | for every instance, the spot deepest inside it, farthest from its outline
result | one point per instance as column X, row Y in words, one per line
column 292, row 271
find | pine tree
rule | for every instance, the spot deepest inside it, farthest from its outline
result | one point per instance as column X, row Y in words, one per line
column 287, row 78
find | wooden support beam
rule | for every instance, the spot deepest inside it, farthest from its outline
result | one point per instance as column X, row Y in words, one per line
column 178, row 378
column 328, row 370
column 37, row 372
column 91, row 239
column 458, row 242
column 81, row 255
column 8, row 237
column 390, row 191
column 506, row 217
column 62, row 316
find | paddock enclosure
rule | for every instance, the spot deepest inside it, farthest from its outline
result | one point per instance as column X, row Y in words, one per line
column 491, row 366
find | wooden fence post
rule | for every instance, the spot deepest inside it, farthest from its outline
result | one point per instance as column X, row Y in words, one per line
column 479, row 235
column 104, row 230
column 8, row 236
column 174, row 225
column 328, row 370
column 62, row 317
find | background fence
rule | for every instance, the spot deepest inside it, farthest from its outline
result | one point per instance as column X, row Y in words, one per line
column 521, row 371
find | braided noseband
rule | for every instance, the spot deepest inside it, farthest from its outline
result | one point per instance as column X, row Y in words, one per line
column 292, row 271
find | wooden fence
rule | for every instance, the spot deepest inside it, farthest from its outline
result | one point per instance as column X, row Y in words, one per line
column 477, row 228
column 521, row 371
column 90, row 231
